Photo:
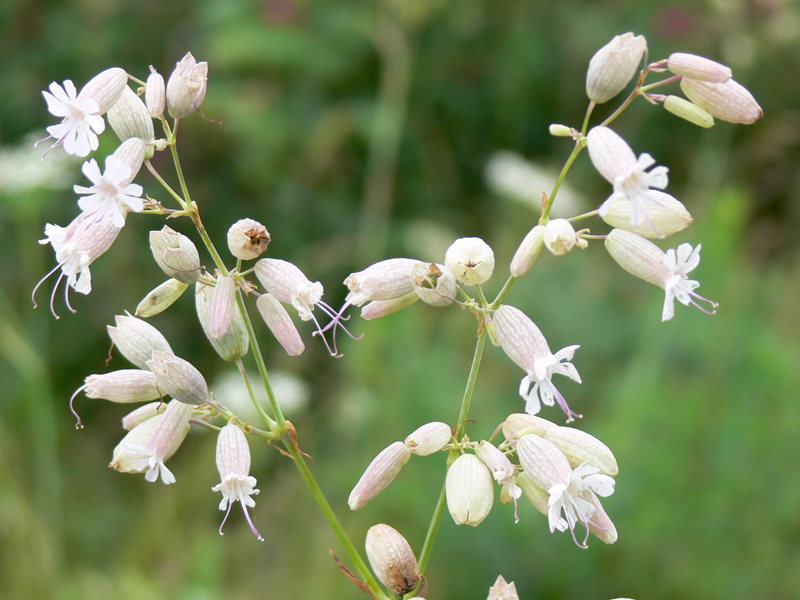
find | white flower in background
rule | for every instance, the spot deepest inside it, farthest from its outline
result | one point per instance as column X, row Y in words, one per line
column 82, row 112
column 616, row 162
column 668, row 270
column 112, row 192
column 524, row 343
column 233, row 463
column 573, row 500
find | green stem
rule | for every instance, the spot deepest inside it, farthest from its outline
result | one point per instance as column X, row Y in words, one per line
column 503, row 293
column 270, row 422
column 473, row 376
column 433, row 528
column 579, row 145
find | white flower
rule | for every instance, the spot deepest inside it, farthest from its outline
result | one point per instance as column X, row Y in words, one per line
column 617, row 163
column 679, row 286
column 169, row 433
column 112, row 192
column 233, row 463
column 574, row 501
column 524, row 343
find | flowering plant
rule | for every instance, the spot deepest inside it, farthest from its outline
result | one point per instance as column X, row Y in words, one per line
column 562, row 471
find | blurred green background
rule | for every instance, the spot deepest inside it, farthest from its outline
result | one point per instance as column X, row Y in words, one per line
column 356, row 131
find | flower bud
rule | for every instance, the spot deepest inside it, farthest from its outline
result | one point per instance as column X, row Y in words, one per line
column 379, row 474
column 382, row 308
column 142, row 414
column 537, row 496
column 469, row 490
column 288, row 284
column 178, row 378
column 429, row 438
column 104, row 88
column 579, row 447
column 559, row 236
column 638, row 256
column 502, row 590
column 220, row 311
column 186, row 88
column 123, row 386
column 129, row 118
column 471, row 260
column 558, row 130
column 523, row 422
column 528, row 251
column 434, row 284
column 545, row 463
column 680, row 107
column 698, row 67
column 248, row 239
column 600, row 523
column 155, row 95
column 728, row 101
column 666, row 213
column 137, row 340
column 280, row 324
column 613, row 66
column 235, row 342
column 176, row 254
column 499, row 466
column 392, row 559
column 160, row 298
column 385, row 280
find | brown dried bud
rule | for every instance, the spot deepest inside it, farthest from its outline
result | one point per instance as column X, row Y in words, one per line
column 248, row 239
column 392, row 559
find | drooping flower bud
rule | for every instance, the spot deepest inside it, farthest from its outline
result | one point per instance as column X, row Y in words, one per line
column 613, row 66
column 601, row 524
column 129, row 118
column 379, row 474
column 235, row 342
column 382, row 308
column 558, row 130
column 698, row 67
column 528, row 251
column 689, row 111
column 543, row 461
column 392, row 559
column 160, row 298
column 580, row 447
column 469, row 490
column 155, row 95
column 523, row 422
column 664, row 212
column 248, row 239
column 233, row 464
column 559, row 236
column 123, row 386
column 220, row 312
column 471, row 260
column 137, row 339
column 186, row 88
column 280, row 324
column 502, row 590
column 167, row 435
column 178, row 378
column 385, row 280
column 728, row 101
column 434, row 284
column 142, row 414
column 104, row 89
column 176, row 254
column 429, row 438
column 537, row 496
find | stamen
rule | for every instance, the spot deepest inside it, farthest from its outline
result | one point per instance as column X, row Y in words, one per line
column 41, row 281
column 571, row 415
column 79, row 424
column 225, row 518
column 249, row 521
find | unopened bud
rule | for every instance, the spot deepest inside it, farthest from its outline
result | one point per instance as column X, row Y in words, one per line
column 186, row 88
column 385, row 280
column 176, row 254
column 728, row 101
column 680, row 107
column 129, row 118
column 469, row 489
column 528, row 251
column 600, row 524
column 638, row 256
column 235, row 342
column 104, row 88
column 379, row 474
column 559, row 236
column 613, row 66
column 392, row 559
column 559, row 130
column 141, row 414
column 665, row 213
column 526, row 423
column 248, row 239
column 698, row 67
column 502, row 590
column 579, row 447
column 178, row 378
column 499, row 465
column 429, row 438
column 536, row 495
column 471, row 260
column 280, row 324
column 434, row 284
column 123, row 386
column 543, row 461
column 160, row 298
column 137, row 340
column 382, row 308
column 155, row 95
